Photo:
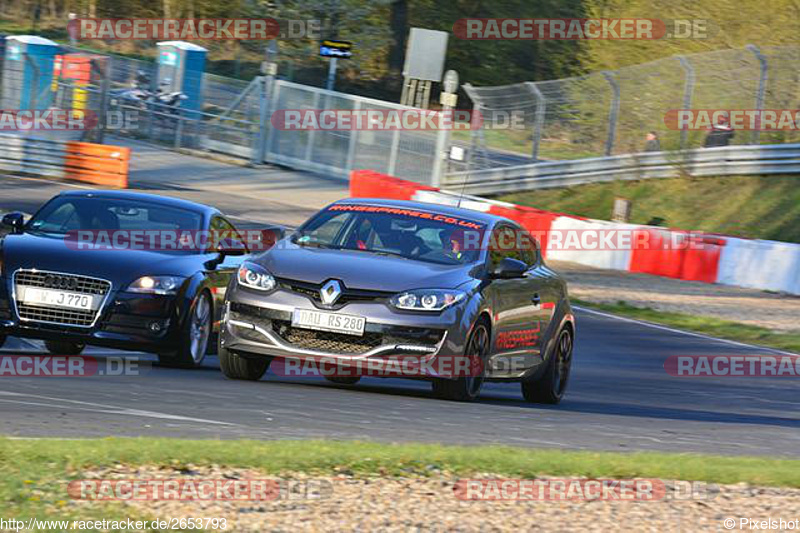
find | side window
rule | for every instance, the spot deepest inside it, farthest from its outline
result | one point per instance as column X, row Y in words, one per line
column 529, row 247
column 327, row 231
column 502, row 244
column 62, row 220
column 516, row 243
column 222, row 229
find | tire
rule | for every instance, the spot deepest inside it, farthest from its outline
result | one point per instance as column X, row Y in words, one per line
column 235, row 366
column 2, row 340
column 549, row 388
column 195, row 334
column 344, row 380
column 64, row 348
column 467, row 389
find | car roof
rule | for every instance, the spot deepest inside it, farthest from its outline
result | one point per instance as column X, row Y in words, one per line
column 471, row 214
column 144, row 197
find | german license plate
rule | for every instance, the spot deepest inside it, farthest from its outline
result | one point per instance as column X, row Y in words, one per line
column 63, row 299
column 324, row 321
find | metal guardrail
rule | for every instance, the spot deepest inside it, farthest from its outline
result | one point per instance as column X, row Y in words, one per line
column 64, row 159
column 35, row 157
column 724, row 161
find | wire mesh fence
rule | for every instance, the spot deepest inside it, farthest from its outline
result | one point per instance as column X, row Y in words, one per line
column 611, row 113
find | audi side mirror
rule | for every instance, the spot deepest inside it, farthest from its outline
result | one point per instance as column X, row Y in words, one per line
column 509, row 268
column 14, row 221
column 231, row 247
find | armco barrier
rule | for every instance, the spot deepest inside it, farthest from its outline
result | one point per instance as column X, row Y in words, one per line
column 98, row 164
column 765, row 265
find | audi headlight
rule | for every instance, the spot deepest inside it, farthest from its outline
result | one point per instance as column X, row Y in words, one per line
column 426, row 299
column 165, row 285
column 255, row 277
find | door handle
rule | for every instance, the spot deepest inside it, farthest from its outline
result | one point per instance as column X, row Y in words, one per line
column 536, row 299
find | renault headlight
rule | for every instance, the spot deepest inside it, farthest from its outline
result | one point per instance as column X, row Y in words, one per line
column 426, row 299
column 165, row 285
column 255, row 277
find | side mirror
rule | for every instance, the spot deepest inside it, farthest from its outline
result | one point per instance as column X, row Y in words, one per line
column 231, row 247
column 509, row 269
column 15, row 221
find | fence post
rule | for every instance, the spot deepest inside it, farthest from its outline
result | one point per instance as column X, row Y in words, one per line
column 393, row 152
column 105, row 86
column 762, row 86
column 613, row 113
column 541, row 108
column 688, row 94
column 179, row 129
column 440, row 156
column 353, row 142
column 34, row 96
column 312, row 132
column 265, row 86
column 275, row 92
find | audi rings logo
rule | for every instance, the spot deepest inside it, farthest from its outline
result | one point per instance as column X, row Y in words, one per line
column 60, row 282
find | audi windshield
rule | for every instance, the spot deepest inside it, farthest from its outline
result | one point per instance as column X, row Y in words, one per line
column 65, row 214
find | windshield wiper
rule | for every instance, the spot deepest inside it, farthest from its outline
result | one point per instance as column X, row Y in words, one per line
column 313, row 244
column 380, row 252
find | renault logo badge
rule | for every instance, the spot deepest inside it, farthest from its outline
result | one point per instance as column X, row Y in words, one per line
column 330, row 292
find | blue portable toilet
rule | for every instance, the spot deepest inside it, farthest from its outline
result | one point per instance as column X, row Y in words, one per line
column 28, row 72
column 182, row 64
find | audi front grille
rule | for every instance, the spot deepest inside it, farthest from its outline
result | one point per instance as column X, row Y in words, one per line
column 59, row 281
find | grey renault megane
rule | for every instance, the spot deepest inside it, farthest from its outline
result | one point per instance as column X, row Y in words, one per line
column 366, row 281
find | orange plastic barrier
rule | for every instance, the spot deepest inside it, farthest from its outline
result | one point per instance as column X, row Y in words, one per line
column 98, row 164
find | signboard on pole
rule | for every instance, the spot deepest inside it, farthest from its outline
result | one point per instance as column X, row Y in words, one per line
column 336, row 49
column 425, row 55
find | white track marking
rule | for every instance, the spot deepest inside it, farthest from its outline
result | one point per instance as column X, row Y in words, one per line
column 679, row 331
column 101, row 408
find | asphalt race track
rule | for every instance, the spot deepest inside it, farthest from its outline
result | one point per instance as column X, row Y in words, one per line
column 620, row 396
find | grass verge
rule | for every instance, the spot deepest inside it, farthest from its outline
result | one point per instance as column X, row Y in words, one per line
column 724, row 329
column 34, row 473
column 758, row 207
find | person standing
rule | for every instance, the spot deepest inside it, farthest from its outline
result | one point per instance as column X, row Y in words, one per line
column 652, row 144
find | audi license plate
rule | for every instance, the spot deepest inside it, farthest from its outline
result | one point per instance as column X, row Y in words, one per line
column 324, row 321
column 63, row 299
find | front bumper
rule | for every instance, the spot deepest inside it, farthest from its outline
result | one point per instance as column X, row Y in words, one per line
column 126, row 321
column 260, row 325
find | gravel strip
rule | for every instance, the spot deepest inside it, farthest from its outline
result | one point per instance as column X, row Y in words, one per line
column 429, row 504
column 749, row 306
